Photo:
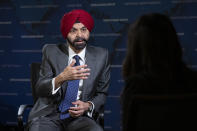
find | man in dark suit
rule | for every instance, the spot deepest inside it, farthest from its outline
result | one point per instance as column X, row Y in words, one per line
column 60, row 67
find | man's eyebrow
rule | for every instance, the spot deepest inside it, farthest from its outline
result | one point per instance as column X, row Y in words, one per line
column 73, row 28
column 83, row 27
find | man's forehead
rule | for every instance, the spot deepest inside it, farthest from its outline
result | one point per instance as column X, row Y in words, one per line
column 78, row 25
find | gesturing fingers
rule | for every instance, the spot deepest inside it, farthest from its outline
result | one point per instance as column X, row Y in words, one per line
column 82, row 70
column 79, row 72
column 80, row 67
column 75, row 72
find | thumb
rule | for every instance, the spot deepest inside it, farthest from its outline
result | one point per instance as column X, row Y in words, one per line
column 73, row 62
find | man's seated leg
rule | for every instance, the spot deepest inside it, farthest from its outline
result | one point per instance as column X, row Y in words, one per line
column 44, row 124
column 83, row 124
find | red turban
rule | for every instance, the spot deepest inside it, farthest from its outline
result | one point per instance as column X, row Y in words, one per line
column 76, row 15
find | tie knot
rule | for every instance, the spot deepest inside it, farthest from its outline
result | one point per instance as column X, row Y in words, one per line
column 76, row 57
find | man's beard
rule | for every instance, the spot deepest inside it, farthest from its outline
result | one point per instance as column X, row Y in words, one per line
column 78, row 46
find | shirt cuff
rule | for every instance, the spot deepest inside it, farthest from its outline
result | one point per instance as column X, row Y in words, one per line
column 54, row 91
column 90, row 112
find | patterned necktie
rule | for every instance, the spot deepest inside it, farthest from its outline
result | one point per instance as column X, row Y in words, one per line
column 70, row 96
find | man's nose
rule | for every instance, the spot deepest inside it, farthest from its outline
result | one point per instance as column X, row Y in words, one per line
column 79, row 33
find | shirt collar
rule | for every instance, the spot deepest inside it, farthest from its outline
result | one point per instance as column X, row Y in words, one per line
column 71, row 53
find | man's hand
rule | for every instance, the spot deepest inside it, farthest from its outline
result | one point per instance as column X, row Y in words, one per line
column 72, row 72
column 79, row 109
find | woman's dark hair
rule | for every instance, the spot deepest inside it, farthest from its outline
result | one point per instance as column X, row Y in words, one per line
column 153, row 47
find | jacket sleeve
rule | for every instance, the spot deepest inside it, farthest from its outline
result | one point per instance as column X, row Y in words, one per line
column 43, row 86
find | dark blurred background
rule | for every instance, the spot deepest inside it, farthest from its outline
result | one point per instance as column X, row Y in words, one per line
column 26, row 25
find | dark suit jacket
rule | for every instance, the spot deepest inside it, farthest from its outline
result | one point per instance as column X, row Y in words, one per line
column 54, row 61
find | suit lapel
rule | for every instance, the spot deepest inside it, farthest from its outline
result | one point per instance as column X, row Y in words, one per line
column 91, row 62
column 63, row 61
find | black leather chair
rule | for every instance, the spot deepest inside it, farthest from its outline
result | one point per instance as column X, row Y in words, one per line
column 35, row 69
column 163, row 112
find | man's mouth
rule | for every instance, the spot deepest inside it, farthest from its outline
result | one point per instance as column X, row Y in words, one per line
column 80, row 41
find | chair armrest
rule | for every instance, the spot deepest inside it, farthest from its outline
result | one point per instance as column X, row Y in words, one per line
column 99, row 118
column 21, row 110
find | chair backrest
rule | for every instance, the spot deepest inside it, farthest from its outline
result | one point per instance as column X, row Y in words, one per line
column 163, row 112
column 35, row 70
